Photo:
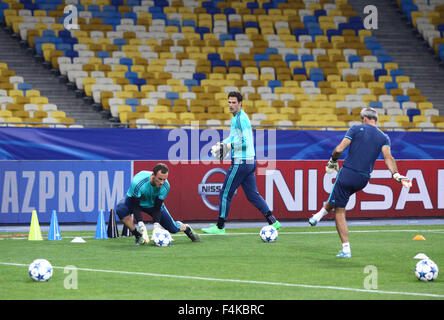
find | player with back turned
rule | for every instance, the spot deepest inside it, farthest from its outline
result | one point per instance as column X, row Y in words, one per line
column 366, row 142
column 243, row 165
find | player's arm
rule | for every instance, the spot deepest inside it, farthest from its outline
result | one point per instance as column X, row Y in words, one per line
column 333, row 162
column 135, row 208
column 390, row 162
column 156, row 210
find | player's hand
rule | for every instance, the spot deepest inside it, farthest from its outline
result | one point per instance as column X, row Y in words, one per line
column 220, row 150
column 332, row 166
column 156, row 227
column 403, row 179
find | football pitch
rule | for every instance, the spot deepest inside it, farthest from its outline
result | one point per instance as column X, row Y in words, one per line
column 301, row 264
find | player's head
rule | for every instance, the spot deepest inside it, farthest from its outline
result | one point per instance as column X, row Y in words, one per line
column 368, row 115
column 234, row 101
column 160, row 174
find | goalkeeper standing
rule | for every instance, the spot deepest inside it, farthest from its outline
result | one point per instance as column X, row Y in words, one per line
column 243, row 165
column 366, row 142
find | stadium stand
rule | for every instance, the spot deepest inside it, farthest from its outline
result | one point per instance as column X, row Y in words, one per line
column 21, row 104
column 171, row 63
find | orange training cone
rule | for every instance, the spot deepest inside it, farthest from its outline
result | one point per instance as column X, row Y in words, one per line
column 418, row 237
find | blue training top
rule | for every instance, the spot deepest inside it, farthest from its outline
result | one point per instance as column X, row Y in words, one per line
column 142, row 189
column 366, row 144
column 241, row 136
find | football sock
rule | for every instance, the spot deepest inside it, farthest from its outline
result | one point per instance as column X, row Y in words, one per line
column 188, row 230
column 221, row 223
column 136, row 233
column 320, row 214
column 270, row 217
column 346, row 247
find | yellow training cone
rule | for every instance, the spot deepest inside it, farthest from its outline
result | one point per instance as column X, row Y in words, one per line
column 34, row 229
column 418, row 237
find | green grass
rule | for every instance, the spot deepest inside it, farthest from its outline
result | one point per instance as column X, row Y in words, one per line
column 301, row 264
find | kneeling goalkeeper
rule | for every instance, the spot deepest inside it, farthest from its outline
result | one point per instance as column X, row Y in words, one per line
column 147, row 192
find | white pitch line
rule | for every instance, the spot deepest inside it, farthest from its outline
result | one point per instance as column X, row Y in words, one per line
column 281, row 233
column 265, row 283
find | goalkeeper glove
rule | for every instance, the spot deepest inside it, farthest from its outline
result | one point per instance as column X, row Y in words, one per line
column 403, row 179
column 143, row 232
column 332, row 165
column 220, row 150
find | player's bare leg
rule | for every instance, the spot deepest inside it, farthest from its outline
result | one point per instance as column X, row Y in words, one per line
column 342, row 228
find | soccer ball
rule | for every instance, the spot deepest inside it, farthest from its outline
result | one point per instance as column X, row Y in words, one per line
column 268, row 234
column 161, row 238
column 40, row 270
column 426, row 270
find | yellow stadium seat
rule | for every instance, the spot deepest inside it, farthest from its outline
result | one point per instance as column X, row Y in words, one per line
column 425, row 105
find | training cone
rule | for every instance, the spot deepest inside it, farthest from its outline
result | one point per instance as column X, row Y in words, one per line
column 54, row 230
column 418, row 237
column 112, row 225
column 34, row 229
column 101, row 227
column 125, row 231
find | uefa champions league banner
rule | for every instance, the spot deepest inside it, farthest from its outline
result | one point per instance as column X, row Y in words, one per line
column 77, row 190
column 298, row 189
column 185, row 144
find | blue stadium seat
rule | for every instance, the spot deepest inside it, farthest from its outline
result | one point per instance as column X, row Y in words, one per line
column 213, row 56
column 261, row 57
column 391, row 85
column 291, row 57
column 307, row 57
column 271, row 51
column 138, row 82
column 235, row 31
column 103, row 54
column 396, row 72
column 298, row 32
column 199, row 76
column 413, row 112
column 234, row 63
column 320, row 12
column 354, row 58
column 133, row 102
column 376, row 104
column 190, row 83
column 131, row 75
column 299, row 71
column 24, row 86
column 332, row 32
column 126, row 61
column 274, row 84
column 316, row 78
column 402, row 98
column 172, row 96
column 379, row 72
column 218, row 63
column 189, row 23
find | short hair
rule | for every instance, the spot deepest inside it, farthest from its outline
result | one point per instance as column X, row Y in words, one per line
column 235, row 94
column 160, row 167
column 369, row 113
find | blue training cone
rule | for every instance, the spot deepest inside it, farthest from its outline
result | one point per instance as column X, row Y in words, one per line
column 54, row 230
column 101, row 231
